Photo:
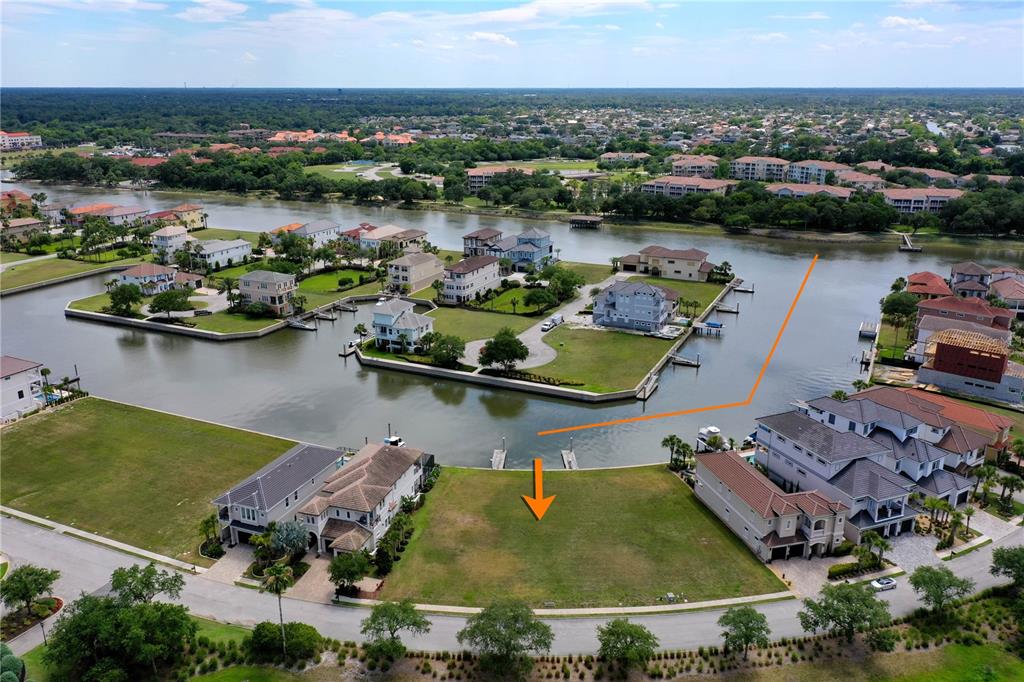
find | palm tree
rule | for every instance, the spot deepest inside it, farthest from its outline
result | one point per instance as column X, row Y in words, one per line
column 931, row 504
column 403, row 339
column 1013, row 485
column 361, row 330
column 860, row 384
column 438, row 286
column 716, row 442
column 883, row 546
column 228, row 285
column 840, row 395
column 673, row 444
column 986, row 490
column 956, row 519
column 969, row 511
column 1008, row 483
column 278, row 579
column 983, row 473
column 208, row 527
column 513, row 302
column 1018, row 449
column 870, row 539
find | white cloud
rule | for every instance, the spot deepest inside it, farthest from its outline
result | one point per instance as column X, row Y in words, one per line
column 212, row 11
column 249, row 58
column 612, row 27
column 809, row 16
column 659, row 25
column 496, row 38
column 909, row 24
column 667, row 5
column 769, row 37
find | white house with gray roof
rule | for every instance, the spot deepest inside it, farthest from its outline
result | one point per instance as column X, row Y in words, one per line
column 276, row 492
column 223, row 253
column 395, row 323
column 320, row 231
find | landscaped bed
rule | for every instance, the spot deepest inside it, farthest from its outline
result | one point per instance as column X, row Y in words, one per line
column 69, row 464
column 612, row 537
column 603, row 361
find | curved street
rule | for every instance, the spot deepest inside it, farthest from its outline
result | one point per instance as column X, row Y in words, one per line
column 86, row 567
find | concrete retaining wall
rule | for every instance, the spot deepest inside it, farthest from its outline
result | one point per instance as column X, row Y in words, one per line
column 170, row 328
column 61, row 280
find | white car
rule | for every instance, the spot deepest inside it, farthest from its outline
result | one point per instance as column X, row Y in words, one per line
column 883, row 584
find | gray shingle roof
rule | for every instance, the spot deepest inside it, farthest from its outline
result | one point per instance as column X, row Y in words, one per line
column 267, row 276
column 865, row 478
column 316, row 226
column 626, row 288
column 942, row 482
column 280, row 478
column 913, row 448
column 834, row 446
column 865, row 411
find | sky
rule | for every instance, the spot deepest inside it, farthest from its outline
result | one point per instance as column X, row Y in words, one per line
column 532, row 44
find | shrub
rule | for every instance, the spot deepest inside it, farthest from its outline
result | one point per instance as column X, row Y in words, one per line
column 883, row 640
column 264, row 644
column 844, row 548
column 837, row 571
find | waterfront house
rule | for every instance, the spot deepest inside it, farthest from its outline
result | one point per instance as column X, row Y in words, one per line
column 635, row 305
column 658, row 261
column 221, row 253
column 773, row 523
column 415, row 271
column 13, row 198
column 529, row 249
column 123, row 215
column 470, row 276
column 400, row 237
column 320, row 232
column 356, row 503
column 169, row 239
column 974, row 310
column 191, row 216
column 969, row 280
column 478, row 243
column 276, row 492
column 973, row 364
column 397, row 327
column 927, row 285
column 1011, row 292
column 150, row 277
column 676, row 186
column 20, row 229
column 21, row 387
column 273, row 289
column 77, row 214
column 932, row 324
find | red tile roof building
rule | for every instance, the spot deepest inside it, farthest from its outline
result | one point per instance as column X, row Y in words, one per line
column 926, row 285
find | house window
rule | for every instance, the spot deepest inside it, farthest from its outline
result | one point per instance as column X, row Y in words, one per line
column 831, row 419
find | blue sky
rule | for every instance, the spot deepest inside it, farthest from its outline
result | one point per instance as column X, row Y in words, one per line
column 537, row 43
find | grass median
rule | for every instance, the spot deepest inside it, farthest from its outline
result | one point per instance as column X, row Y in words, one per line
column 135, row 475
column 613, row 537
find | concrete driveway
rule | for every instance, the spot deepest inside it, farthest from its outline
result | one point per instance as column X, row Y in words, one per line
column 316, row 584
column 232, row 565
column 540, row 352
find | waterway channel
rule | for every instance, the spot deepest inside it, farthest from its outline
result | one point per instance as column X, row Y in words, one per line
column 292, row 383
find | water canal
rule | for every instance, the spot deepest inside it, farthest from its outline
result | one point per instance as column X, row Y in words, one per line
column 292, row 383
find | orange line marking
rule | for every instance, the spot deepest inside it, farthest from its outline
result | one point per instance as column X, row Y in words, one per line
column 708, row 408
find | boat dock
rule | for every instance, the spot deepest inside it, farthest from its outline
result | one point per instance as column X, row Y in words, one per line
column 685, row 361
column 649, row 387
column 708, row 329
column 295, row 323
column 743, row 289
column 346, row 307
column 723, row 308
column 868, row 330
column 908, row 245
column 324, row 315
column 347, row 350
column 569, row 460
column 498, row 459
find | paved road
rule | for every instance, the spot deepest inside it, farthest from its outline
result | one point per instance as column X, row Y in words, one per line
column 86, row 567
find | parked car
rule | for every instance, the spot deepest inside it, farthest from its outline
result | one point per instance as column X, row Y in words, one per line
column 200, row 313
column 883, row 584
column 552, row 322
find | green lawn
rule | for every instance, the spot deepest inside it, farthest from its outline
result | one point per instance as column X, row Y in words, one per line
column 592, row 272
column 226, row 233
column 333, row 171
column 98, row 302
column 503, row 302
column 249, row 673
column 952, row 663
column 237, row 271
column 611, row 537
column 225, row 322
column 705, row 292
column 220, row 632
column 322, row 289
column 471, row 325
column 893, row 342
column 121, row 467
column 52, row 268
column 554, row 164
column 604, row 361
column 13, row 256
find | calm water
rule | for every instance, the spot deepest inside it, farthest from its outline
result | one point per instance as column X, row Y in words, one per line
column 292, row 383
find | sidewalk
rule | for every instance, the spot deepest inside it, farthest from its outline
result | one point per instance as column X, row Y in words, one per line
column 100, row 540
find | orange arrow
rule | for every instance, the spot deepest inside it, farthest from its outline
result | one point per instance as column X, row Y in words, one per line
column 538, row 504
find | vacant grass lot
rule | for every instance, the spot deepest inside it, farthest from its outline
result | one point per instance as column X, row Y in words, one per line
column 52, row 268
column 592, row 272
column 471, row 325
column 704, row 292
column 322, row 289
column 503, row 302
column 13, row 256
column 98, row 302
column 602, row 361
column 611, row 537
column 335, row 171
column 893, row 342
column 226, row 233
column 115, row 470
column 225, row 322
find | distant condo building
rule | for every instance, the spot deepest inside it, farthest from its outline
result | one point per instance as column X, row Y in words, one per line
column 694, row 165
column 764, row 168
column 481, row 176
column 814, row 172
column 674, row 186
column 915, row 200
column 20, row 140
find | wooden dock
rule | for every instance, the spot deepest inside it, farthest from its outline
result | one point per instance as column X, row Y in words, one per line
column 743, row 289
column 868, row 330
column 323, row 315
column 498, row 459
column 649, row 387
column 569, row 460
column 685, row 361
column 346, row 307
column 908, row 245
column 346, row 351
column 703, row 329
column 723, row 308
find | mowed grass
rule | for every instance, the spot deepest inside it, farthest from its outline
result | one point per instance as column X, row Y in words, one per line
column 622, row 536
column 53, row 268
column 322, row 289
column 226, row 323
column 225, row 233
column 470, row 325
column 592, row 272
column 603, row 361
column 952, row 663
column 131, row 474
column 13, row 256
column 335, row 171
column 705, row 292
column 503, row 302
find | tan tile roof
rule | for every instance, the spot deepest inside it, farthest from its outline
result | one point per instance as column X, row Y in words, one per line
column 968, row 340
column 366, row 480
